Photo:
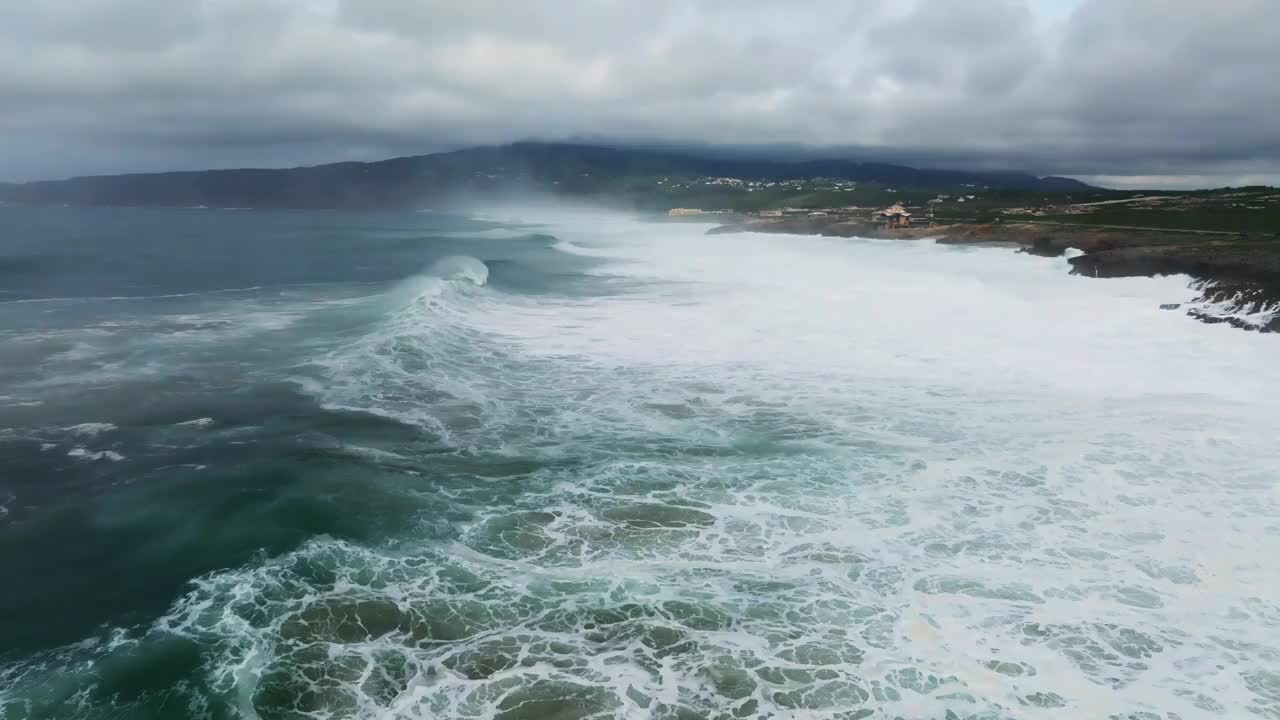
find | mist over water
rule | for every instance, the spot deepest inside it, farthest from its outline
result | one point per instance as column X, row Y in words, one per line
column 557, row 463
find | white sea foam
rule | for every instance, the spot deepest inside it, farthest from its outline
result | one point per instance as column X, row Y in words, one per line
column 793, row 477
column 89, row 455
column 374, row 454
column 90, row 429
column 894, row 475
column 1240, row 310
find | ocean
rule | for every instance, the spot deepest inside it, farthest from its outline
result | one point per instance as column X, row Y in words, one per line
column 549, row 462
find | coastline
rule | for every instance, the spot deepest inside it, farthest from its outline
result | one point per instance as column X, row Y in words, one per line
column 1235, row 273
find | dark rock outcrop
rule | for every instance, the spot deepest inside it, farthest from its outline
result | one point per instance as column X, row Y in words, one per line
column 1238, row 280
column 1216, row 260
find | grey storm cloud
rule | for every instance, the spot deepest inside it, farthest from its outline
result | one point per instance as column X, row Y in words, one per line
column 1134, row 91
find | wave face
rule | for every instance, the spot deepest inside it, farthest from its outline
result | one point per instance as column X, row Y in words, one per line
column 626, row 469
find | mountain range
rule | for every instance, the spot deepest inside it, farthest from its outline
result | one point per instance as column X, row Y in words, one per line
column 417, row 181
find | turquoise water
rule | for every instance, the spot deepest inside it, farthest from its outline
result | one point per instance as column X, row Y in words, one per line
column 567, row 464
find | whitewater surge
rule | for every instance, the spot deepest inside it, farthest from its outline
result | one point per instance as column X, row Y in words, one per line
column 743, row 476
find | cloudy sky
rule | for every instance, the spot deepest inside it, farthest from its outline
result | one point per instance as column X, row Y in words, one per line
column 1154, row 93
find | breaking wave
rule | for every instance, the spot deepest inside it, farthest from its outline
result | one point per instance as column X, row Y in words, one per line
column 460, row 267
column 1245, row 305
column 759, row 476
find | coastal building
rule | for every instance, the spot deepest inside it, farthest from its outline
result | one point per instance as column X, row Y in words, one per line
column 894, row 216
column 684, row 212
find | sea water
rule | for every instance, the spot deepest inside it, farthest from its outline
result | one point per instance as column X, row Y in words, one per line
column 553, row 463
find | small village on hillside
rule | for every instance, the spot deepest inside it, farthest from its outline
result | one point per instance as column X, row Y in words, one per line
column 892, row 217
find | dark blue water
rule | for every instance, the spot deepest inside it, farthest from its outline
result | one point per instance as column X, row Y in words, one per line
column 112, row 253
column 152, row 428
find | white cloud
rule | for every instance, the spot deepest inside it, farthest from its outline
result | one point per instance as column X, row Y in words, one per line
column 1087, row 87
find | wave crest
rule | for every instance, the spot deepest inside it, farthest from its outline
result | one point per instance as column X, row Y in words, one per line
column 460, row 267
column 453, row 272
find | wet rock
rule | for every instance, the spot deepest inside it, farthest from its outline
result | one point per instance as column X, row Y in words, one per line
column 1236, row 279
column 1221, row 260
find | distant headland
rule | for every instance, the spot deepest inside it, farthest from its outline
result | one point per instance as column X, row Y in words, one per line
column 645, row 178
